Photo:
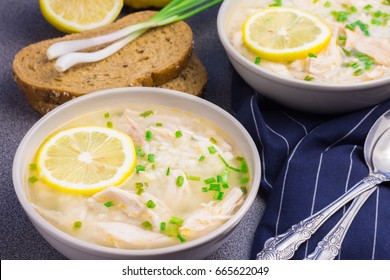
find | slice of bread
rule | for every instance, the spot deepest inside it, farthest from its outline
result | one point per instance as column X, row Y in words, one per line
column 153, row 59
column 192, row 79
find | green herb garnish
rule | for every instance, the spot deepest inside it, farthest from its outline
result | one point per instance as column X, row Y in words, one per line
column 109, row 204
column 110, row 124
column 179, row 181
column 150, row 204
column 151, row 158
column 77, row 225
column 32, row 179
column 147, row 225
column 147, row 113
column 178, row 134
column 33, row 166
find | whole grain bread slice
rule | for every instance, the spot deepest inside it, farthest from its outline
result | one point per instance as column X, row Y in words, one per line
column 192, row 80
column 153, row 59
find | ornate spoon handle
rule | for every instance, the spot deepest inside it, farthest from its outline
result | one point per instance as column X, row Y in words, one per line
column 283, row 247
column 330, row 246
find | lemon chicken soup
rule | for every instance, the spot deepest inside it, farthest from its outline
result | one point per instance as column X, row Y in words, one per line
column 324, row 41
column 138, row 178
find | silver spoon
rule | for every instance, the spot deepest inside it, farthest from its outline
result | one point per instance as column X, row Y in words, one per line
column 330, row 246
column 283, row 247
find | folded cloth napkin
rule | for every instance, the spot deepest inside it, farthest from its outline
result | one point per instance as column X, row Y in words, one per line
column 308, row 161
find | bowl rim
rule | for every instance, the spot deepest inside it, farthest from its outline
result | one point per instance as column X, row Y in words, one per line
column 223, row 15
column 93, row 249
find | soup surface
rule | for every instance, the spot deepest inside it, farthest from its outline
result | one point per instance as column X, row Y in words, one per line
column 190, row 178
column 358, row 51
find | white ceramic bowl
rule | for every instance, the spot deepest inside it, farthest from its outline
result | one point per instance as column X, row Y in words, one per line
column 300, row 95
column 76, row 249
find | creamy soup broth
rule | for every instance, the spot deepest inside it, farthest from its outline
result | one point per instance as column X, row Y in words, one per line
column 210, row 193
column 341, row 61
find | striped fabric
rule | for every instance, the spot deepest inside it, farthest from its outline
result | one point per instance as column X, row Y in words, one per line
column 307, row 162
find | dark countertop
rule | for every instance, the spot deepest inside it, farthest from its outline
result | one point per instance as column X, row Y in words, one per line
column 21, row 24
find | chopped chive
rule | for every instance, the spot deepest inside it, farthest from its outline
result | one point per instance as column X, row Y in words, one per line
column 378, row 13
column 218, row 195
column 219, row 179
column 315, row 1
column 257, row 60
column 163, row 226
column 109, row 204
column 244, row 190
column 151, row 158
column 176, row 221
column 355, row 65
column 353, row 9
column 212, row 150
column 172, row 229
column 358, row 72
column 32, row 179
column 215, row 187
column 153, row 166
column 342, row 37
column 201, row 158
column 386, row 2
column 375, row 21
column 308, row 78
column 277, row 3
column 148, row 135
column 223, row 160
column 368, row 7
column 33, row 166
column 244, row 180
column 205, row 189
column 77, row 225
column 139, row 152
column 244, row 167
column 312, row 55
column 147, row 225
column 159, row 124
column 341, row 16
column 168, row 171
column 210, row 180
column 194, row 178
column 150, row 204
column 178, row 134
column 139, row 168
column 181, row 238
column 225, row 176
column 110, row 125
column 346, row 52
column 107, row 115
column 225, row 185
column 327, row 4
column 212, row 140
column 147, row 113
column 140, row 187
column 234, row 169
column 179, row 181
column 239, row 158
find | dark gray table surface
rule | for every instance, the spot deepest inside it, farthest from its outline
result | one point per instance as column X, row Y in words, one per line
column 21, row 24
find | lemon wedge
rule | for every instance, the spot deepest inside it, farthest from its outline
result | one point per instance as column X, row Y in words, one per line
column 285, row 34
column 86, row 159
column 75, row 16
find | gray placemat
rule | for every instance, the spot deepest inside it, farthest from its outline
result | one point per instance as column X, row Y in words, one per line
column 21, row 24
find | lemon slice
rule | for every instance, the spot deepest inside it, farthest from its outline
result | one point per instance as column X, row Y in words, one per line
column 285, row 34
column 86, row 159
column 75, row 16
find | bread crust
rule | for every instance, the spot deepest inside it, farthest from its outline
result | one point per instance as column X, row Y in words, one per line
column 155, row 58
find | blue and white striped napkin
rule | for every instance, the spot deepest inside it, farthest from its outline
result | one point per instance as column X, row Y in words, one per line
column 307, row 162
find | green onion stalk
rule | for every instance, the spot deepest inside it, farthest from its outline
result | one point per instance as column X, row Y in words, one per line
column 176, row 10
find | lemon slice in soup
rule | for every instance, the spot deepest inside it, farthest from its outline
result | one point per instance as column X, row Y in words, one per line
column 86, row 159
column 285, row 34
